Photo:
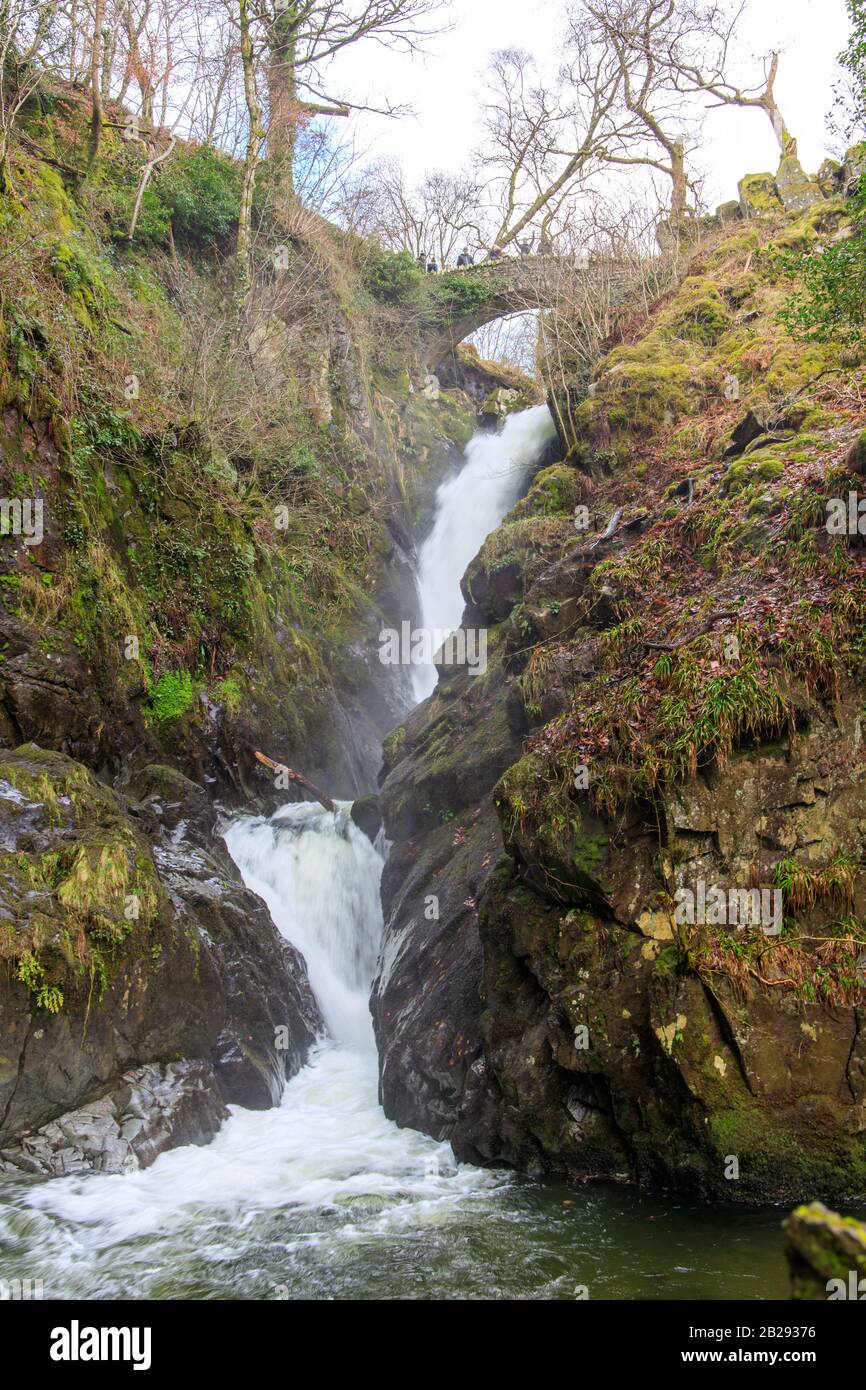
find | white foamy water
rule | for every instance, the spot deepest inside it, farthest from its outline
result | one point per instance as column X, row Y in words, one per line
column 273, row 1200
column 468, row 507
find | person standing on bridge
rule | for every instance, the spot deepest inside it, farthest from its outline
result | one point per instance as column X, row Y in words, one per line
column 496, row 253
column 465, row 258
column 432, row 266
column 525, row 247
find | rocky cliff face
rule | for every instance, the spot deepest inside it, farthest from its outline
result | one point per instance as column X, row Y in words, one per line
column 673, row 706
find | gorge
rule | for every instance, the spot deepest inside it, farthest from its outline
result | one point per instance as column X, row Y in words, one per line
column 533, row 968
column 321, row 1195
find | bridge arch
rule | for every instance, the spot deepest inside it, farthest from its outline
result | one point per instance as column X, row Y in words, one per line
column 459, row 302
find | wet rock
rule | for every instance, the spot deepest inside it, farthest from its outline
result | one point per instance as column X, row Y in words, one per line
column 154, row 1108
column 436, row 802
column 367, row 815
column 498, row 404
column 535, row 1003
column 131, row 939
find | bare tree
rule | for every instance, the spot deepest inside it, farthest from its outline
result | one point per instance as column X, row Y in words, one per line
column 699, row 57
column 609, row 267
column 255, row 139
column 673, row 55
column 435, row 218
column 303, row 36
column 545, row 140
column 96, row 103
column 638, row 33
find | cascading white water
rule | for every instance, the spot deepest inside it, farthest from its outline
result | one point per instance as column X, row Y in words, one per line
column 319, row 875
column 468, row 507
column 284, row 1192
column 281, row 1197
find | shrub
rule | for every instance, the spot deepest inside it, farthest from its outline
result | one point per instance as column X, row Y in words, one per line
column 459, row 295
column 393, row 277
column 201, row 190
column 831, row 302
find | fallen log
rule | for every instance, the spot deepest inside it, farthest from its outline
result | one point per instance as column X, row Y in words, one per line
column 300, row 779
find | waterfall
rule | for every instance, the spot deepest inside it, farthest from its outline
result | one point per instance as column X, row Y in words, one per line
column 468, row 507
column 287, row 1199
column 319, row 875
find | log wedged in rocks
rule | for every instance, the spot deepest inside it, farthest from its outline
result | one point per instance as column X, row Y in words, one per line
column 297, row 777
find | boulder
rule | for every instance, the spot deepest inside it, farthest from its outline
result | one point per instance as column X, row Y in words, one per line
column 759, row 196
column 796, row 190
column 154, row 1108
column 826, row 1255
column 753, row 424
column 366, row 814
column 830, row 178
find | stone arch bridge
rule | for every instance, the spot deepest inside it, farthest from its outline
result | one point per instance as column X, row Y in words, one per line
column 459, row 302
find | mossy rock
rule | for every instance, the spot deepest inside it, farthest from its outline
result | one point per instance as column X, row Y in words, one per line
column 562, row 843
column 555, row 491
column 826, row 1253
column 88, row 884
column 698, row 312
column 759, row 196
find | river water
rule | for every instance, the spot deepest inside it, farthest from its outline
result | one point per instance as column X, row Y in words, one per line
column 322, row 1197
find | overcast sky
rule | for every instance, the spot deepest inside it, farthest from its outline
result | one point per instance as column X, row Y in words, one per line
column 443, row 86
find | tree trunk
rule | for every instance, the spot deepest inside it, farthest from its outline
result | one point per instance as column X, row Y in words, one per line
column 787, row 143
column 283, row 101
column 96, row 117
column 146, row 173
column 255, row 134
column 679, row 195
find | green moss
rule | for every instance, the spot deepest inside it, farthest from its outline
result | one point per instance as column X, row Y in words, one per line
column 760, row 194
column 698, row 312
column 172, row 696
column 555, row 491
column 230, row 694
column 70, row 909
